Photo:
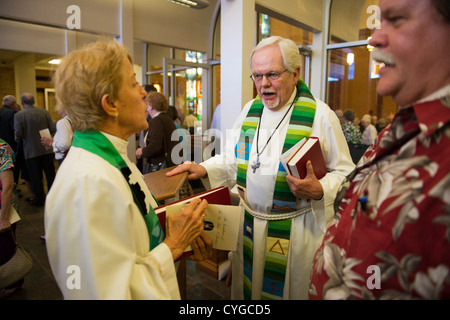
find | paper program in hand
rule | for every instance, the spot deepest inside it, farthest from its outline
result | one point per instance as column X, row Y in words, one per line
column 221, row 224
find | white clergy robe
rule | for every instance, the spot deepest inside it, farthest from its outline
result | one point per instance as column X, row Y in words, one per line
column 307, row 230
column 93, row 227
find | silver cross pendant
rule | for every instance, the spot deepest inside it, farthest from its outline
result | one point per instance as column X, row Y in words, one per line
column 256, row 164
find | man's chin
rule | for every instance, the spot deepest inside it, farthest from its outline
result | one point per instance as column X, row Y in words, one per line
column 271, row 105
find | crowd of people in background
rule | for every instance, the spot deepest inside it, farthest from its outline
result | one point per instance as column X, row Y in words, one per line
column 350, row 123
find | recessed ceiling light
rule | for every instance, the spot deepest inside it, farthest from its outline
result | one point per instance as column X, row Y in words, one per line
column 196, row 4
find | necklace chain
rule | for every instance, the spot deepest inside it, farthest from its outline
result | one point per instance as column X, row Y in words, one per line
column 256, row 164
column 268, row 140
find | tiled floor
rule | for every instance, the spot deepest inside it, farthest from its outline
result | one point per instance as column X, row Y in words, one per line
column 40, row 285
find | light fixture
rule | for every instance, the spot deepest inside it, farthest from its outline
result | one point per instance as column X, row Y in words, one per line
column 369, row 47
column 55, row 61
column 157, row 86
column 350, row 58
column 196, row 4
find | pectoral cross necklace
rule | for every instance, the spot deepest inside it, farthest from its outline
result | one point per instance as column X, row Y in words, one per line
column 256, row 164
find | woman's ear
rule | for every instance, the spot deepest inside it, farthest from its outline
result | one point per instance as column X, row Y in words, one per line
column 109, row 106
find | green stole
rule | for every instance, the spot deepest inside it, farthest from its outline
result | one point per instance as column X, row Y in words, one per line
column 96, row 142
column 278, row 233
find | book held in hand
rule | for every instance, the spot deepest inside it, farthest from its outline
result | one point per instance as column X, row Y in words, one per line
column 294, row 160
column 219, row 196
column 220, row 224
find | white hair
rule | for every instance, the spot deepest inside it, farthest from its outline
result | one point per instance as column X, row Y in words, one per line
column 8, row 100
column 289, row 51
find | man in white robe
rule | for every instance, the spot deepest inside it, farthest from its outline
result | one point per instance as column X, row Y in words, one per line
column 277, row 89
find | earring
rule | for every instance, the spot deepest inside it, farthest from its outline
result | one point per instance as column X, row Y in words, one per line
column 116, row 115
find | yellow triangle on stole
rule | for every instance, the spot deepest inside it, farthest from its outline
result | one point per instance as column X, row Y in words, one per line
column 278, row 249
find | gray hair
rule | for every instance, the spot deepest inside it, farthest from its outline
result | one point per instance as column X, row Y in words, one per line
column 288, row 48
column 8, row 100
column 84, row 76
column 27, row 99
column 366, row 118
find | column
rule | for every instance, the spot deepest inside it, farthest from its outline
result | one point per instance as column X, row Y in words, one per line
column 319, row 58
column 127, row 39
column 237, row 41
column 25, row 76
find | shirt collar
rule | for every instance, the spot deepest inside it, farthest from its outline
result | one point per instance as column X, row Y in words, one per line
column 120, row 144
column 433, row 112
column 156, row 114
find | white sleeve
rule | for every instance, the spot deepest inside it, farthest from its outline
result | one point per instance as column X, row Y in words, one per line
column 63, row 136
column 337, row 159
column 222, row 168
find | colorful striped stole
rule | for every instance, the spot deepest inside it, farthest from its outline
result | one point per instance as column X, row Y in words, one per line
column 278, row 234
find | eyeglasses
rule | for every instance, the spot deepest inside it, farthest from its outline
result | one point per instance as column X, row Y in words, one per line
column 257, row 77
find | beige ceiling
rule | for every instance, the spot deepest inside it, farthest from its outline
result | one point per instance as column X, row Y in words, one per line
column 163, row 7
column 7, row 58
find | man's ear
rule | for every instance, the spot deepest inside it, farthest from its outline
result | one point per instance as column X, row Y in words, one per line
column 109, row 106
column 296, row 74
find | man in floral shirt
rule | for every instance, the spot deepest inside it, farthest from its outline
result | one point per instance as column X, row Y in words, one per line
column 391, row 235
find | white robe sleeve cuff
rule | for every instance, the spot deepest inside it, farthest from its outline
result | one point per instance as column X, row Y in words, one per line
column 163, row 256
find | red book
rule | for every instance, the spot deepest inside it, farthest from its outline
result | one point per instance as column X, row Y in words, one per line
column 219, row 195
column 309, row 150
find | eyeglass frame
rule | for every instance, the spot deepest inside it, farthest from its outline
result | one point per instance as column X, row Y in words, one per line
column 268, row 75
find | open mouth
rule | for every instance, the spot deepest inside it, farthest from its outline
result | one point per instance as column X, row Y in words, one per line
column 269, row 94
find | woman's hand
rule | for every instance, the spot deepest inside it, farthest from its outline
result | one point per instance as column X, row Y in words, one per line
column 202, row 247
column 184, row 227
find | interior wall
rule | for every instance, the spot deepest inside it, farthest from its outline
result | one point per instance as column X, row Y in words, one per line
column 181, row 28
column 306, row 12
column 99, row 16
column 346, row 19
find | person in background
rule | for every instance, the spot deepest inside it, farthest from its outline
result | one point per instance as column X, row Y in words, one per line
column 340, row 115
column 374, row 120
column 182, row 152
column 141, row 136
column 7, row 229
column 369, row 133
column 38, row 159
column 381, row 124
column 158, row 147
column 389, row 118
column 62, row 140
column 274, row 257
column 390, row 238
column 351, row 132
column 99, row 213
column 189, row 122
column 7, row 112
column 6, row 185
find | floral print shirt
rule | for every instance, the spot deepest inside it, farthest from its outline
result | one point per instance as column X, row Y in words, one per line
column 351, row 132
column 390, row 238
column 6, row 156
column 6, row 159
